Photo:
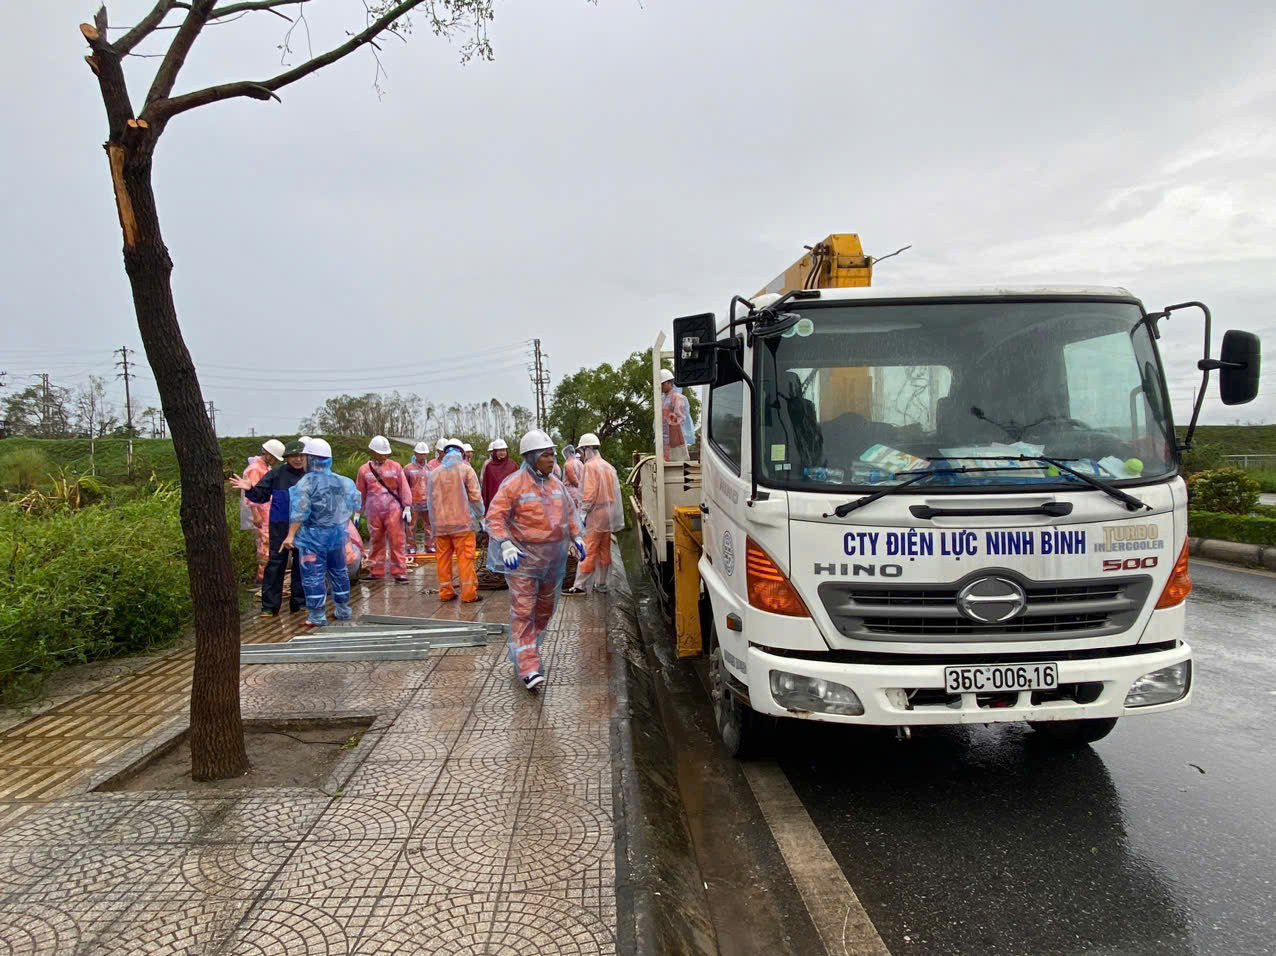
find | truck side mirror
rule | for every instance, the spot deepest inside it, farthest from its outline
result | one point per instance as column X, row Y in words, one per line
column 1239, row 364
column 695, row 355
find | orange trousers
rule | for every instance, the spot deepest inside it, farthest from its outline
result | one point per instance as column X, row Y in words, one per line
column 597, row 554
column 462, row 546
column 262, row 531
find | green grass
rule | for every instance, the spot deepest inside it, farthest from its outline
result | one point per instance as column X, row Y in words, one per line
column 1265, row 479
column 1236, row 439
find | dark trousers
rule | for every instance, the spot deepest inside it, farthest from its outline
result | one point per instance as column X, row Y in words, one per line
column 272, row 582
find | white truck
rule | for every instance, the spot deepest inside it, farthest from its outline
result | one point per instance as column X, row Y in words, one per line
column 932, row 508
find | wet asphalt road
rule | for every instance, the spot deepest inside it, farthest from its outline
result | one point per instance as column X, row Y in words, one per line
column 1159, row 839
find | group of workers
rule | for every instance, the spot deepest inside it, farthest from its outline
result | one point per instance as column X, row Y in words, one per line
column 534, row 514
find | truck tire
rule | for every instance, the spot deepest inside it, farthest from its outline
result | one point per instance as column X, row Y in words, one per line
column 1073, row 733
column 740, row 728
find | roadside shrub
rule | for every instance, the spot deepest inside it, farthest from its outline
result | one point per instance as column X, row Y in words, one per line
column 1266, row 480
column 1204, row 456
column 98, row 582
column 1224, row 489
column 1265, row 511
column 24, row 468
column 80, row 585
column 1247, row 529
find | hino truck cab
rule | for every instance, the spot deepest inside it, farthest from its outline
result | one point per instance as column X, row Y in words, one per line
column 943, row 507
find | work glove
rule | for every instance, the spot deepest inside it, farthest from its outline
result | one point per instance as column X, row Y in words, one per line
column 510, row 554
column 580, row 549
column 407, row 513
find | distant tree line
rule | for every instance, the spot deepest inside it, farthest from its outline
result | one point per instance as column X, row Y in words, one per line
column 410, row 416
column 57, row 411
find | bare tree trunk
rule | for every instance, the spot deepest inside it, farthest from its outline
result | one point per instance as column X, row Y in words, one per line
column 217, row 733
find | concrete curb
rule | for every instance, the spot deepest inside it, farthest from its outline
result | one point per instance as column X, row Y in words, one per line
column 661, row 902
column 1234, row 552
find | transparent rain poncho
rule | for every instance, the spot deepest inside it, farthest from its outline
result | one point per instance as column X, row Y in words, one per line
column 601, row 505
column 322, row 503
column 677, row 410
column 455, row 501
column 538, row 516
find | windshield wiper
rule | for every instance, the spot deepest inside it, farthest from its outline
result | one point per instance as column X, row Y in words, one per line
column 843, row 510
column 1132, row 503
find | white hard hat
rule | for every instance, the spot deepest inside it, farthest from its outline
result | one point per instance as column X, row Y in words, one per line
column 318, row 447
column 421, row 448
column 453, row 443
column 588, row 440
column 274, row 447
column 379, row 444
column 666, row 375
column 498, row 445
column 535, row 440
column 303, row 439
column 440, row 444
column 466, row 446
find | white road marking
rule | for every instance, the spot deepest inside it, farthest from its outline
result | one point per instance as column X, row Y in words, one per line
column 839, row 917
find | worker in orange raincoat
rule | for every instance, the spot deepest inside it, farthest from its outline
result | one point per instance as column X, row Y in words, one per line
column 532, row 524
column 456, row 509
column 417, row 470
column 603, row 513
column 387, row 501
column 272, row 453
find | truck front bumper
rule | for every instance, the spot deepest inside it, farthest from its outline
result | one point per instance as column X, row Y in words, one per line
column 912, row 694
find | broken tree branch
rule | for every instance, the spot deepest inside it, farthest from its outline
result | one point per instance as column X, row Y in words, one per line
column 105, row 64
column 163, row 109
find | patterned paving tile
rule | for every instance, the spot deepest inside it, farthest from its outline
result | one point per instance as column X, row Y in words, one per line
column 392, row 777
column 283, row 927
column 413, row 746
column 531, row 924
column 40, row 928
column 440, row 923
column 419, row 718
column 173, row 926
column 230, row 870
column 67, row 872
column 350, row 818
column 345, row 867
column 77, row 821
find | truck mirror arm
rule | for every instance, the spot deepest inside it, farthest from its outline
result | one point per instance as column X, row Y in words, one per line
column 1206, row 364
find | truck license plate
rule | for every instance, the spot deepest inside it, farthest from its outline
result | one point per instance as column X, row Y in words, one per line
column 994, row 678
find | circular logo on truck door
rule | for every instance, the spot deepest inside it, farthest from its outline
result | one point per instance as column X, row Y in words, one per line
column 728, row 554
column 991, row 600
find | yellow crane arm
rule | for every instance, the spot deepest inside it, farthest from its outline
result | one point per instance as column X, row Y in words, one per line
column 837, row 262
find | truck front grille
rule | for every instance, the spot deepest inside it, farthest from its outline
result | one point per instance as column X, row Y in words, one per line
column 1055, row 610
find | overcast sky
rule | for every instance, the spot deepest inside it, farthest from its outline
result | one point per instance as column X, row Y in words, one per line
column 620, row 164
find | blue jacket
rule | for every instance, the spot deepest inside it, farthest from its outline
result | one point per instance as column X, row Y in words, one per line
column 275, row 486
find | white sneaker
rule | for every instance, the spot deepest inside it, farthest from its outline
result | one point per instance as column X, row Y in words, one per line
column 533, row 680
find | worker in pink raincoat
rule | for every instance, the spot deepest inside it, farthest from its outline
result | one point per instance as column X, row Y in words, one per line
column 456, row 508
column 272, row 453
column 387, row 501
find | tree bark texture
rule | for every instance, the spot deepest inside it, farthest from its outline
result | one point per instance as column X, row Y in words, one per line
column 217, row 733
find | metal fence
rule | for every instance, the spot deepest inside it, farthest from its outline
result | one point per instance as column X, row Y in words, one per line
column 1253, row 462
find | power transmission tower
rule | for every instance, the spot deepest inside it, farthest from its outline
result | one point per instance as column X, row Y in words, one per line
column 212, row 416
column 540, row 380
column 123, row 351
column 45, row 403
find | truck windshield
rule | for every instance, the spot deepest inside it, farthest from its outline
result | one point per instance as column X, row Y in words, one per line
column 854, row 395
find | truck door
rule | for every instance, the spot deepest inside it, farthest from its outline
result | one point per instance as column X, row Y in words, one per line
column 724, row 464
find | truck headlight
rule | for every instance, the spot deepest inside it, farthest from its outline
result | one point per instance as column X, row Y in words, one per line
column 814, row 694
column 1161, row 687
